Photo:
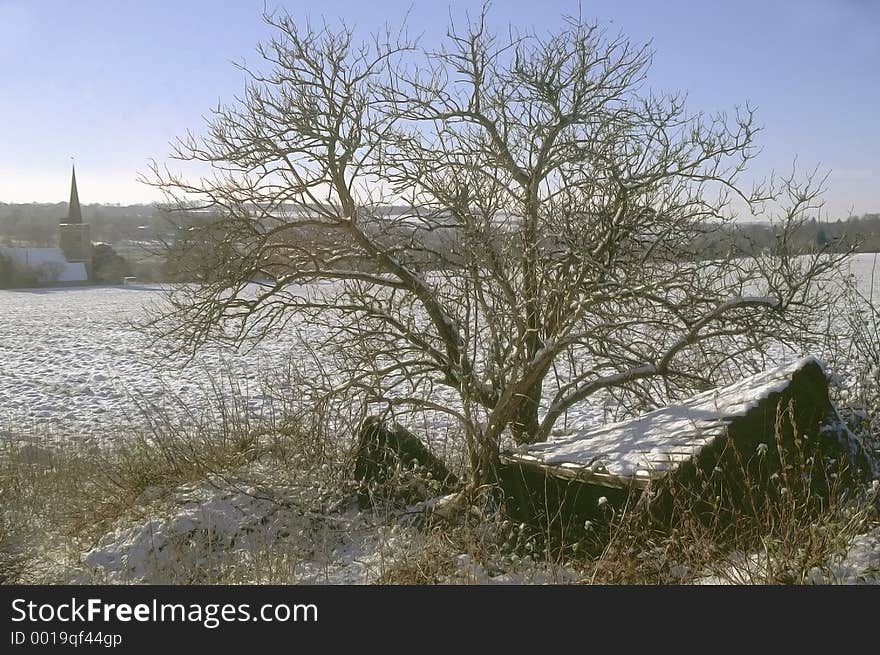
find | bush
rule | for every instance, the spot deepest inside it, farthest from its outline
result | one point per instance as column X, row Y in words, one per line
column 108, row 267
column 13, row 275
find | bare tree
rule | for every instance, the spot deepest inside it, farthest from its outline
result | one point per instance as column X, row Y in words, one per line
column 496, row 230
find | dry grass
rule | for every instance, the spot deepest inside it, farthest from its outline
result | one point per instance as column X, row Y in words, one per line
column 56, row 506
column 779, row 535
column 13, row 560
column 777, row 526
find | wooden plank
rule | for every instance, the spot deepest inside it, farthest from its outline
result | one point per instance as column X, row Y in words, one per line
column 640, row 481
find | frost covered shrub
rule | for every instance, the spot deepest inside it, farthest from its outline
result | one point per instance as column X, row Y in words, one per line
column 476, row 545
column 48, row 273
column 14, row 274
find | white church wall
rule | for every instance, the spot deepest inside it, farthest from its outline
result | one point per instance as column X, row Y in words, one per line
column 49, row 262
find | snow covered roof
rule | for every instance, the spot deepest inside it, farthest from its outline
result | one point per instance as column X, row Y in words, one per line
column 654, row 443
column 48, row 258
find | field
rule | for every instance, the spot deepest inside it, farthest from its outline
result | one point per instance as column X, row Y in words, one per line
column 74, row 367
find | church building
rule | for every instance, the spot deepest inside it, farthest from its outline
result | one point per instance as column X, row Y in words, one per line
column 74, row 236
column 71, row 262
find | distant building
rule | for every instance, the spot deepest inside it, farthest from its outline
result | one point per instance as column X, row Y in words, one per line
column 74, row 236
column 71, row 262
column 49, row 265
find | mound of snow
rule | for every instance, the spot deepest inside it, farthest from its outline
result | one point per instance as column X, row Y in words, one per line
column 215, row 531
column 166, row 549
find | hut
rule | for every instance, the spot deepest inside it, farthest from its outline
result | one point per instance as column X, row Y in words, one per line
column 561, row 484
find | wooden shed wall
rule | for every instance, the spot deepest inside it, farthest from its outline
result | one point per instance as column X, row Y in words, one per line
column 557, row 506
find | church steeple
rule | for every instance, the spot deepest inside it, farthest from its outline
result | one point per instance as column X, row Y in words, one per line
column 74, row 213
column 73, row 235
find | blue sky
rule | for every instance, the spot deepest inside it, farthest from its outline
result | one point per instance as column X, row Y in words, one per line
column 113, row 81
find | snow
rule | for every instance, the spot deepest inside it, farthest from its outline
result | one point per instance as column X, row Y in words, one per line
column 72, row 364
column 167, row 548
column 656, row 442
column 866, row 270
column 210, row 530
column 51, row 259
column 857, row 564
column 860, row 564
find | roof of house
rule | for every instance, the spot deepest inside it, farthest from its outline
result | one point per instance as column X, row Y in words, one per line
column 654, row 443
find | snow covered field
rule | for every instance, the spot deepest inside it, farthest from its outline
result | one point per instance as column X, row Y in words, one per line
column 866, row 268
column 72, row 365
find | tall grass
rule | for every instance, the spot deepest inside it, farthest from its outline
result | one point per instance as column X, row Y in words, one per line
column 789, row 522
column 779, row 523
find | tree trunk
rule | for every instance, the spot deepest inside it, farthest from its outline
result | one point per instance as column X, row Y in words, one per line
column 484, row 466
column 525, row 424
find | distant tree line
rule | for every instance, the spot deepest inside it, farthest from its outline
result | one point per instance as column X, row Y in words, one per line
column 36, row 224
column 855, row 234
column 141, row 235
column 14, row 275
column 188, row 247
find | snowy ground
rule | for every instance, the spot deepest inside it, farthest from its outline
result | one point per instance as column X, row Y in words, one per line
column 71, row 364
column 206, row 532
column 209, row 532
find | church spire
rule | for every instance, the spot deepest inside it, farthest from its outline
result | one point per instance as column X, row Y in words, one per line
column 74, row 213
